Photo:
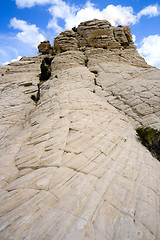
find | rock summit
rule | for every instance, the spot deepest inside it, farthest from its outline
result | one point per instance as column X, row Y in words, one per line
column 72, row 167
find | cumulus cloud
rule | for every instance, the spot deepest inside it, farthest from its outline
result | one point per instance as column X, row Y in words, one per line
column 61, row 10
column 151, row 11
column 119, row 15
column 134, row 37
column 23, row 43
column 31, row 3
column 11, row 48
column 88, row 12
column 72, row 17
column 29, row 32
column 150, row 50
column 116, row 15
column 65, row 16
column 13, row 60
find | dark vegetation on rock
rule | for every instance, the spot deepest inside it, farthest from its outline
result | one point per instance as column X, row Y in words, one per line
column 48, row 60
column 43, row 76
column 37, row 97
column 74, row 29
column 150, row 138
column 86, row 62
column 45, row 72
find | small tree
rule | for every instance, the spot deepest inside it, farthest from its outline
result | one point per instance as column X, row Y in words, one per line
column 86, row 62
column 37, row 97
column 48, row 60
column 45, row 72
column 150, row 138
column 74, row 29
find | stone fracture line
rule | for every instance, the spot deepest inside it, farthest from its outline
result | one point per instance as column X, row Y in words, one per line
column 133, row 91
column 75, row 169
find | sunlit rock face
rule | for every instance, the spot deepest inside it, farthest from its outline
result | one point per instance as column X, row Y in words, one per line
column 71, row 164
column 45, row 47
column 95, row 33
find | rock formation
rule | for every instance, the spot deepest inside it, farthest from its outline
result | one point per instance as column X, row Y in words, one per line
column 71, row 165
column 95, row 33
column 45, row 47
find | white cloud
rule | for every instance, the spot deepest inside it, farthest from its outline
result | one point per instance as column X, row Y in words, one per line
column 88, row 12
column 150, row 50
column 31, row 3
column 116, row 15
column 151, row 11
column 11, row 47
column 29, row 33
column 119, row 15
column 60, row 10
column 134, row 37
column 72, row 15
column 13, row 60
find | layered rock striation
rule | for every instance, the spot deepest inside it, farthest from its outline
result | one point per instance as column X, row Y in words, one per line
column 71, row 164
column 96, row 34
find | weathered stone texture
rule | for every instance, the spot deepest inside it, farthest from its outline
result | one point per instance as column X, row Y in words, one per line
column 97, row 34
column 71, row 165
column 120, row 36
column 131, row 89
column 94, row 33
column 66, row 41
column 45, row 47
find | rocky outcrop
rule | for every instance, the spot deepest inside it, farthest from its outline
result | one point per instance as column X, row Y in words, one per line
column 96, row 34
column 66, row 41
column 71, row 164
column 123, row 36
column 45, row 47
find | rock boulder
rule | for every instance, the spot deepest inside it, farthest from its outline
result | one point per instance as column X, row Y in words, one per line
column 45, row 47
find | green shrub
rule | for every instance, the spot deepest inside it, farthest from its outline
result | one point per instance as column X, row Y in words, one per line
column 45, row 72
column 150, row 138
column 86, row 62
column 37, row 97
column 53, row 53
column 74, row 29
column 48, row 60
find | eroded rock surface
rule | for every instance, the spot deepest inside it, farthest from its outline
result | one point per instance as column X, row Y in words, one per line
column 133, row 88
column 66, row 41
column 94, row 33
column 45, row 47
column 71, row 165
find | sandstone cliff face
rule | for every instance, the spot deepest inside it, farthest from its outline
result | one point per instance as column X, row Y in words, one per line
column 71, row 165
column 95, row 33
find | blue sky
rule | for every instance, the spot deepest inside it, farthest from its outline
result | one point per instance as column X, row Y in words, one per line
column 25, row 23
